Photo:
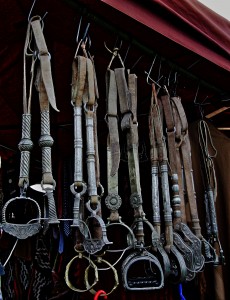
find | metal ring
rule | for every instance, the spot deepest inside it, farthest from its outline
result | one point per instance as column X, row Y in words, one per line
column 74, row 186
column 131, row 239
column 100, row 260
column 88, row 287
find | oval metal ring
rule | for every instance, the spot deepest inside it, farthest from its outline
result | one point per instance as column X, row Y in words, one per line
column 91, row 264
column 82, row 192
column 100, row 260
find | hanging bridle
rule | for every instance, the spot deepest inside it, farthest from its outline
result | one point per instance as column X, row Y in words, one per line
column 46, row 96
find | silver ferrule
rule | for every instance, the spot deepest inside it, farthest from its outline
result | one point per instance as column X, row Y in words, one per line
column 176, row 201
column 165, row 193
column 76, row 210
column 90, row 152
column 25, row 146
column 212, row 211
column 78, row 145
column 155, row 195
column 207, row 215
column 46, row 142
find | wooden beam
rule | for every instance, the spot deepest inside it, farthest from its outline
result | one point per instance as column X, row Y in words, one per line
column 223, row 128
column 216, row 112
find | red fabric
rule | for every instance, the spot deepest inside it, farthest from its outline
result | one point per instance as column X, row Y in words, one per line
column 188, row 23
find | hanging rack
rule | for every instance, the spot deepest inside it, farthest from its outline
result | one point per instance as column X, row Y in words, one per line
column 125, row 36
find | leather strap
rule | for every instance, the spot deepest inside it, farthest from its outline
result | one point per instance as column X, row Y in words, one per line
column 208, row 152
column 124, row 98
column 44, row 57
column 111, row 117
column 188, row 172
column 78, row 80
column 180, row 126
column 176, row 201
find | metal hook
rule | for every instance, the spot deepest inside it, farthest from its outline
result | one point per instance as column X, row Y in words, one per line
column 114, row 53
column 84, row 37
column 115, row 45
column 136, row 62
column 31, row 9
column 148, row 74
column 201, row 104
column 194, row 101
column 124, row 59
column 172, row 83
column 85, row 33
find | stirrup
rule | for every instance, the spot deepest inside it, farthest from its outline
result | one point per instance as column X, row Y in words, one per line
column 153, row 277
column 21, row 231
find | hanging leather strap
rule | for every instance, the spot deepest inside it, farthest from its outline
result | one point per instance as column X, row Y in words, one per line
column 180, row 126
column 124, row 98
column 111, row 118
column 176, row 201
column 44, row 57
column 188, row 172
column 208, row 152
column 78, row 80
